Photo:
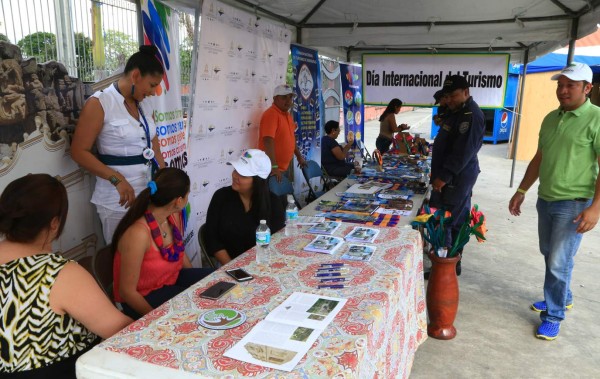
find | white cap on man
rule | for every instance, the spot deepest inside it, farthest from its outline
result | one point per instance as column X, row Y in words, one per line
column 282, row 90
column 253, row 162
column 576, row 71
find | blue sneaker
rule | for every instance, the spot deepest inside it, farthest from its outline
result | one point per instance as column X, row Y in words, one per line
column 540, row 306
column 548, row 330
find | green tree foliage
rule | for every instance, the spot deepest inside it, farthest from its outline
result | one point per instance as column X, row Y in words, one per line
column 185, row 60
column 40, row 45
column 118, row 48
column 85, row 62
column 4, row 38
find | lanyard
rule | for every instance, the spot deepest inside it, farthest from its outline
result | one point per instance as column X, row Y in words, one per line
column 144, row 125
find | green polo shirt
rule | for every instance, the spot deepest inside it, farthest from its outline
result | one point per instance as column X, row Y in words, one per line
column 570, row 145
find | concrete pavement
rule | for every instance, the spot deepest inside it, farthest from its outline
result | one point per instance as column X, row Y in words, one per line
column 500, row 279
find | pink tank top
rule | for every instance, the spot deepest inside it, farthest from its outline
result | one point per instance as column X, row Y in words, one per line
column 155, row 272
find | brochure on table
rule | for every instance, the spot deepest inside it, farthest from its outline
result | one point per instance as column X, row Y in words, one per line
column 369, row 187
column 324, row 244
column 359, row 252
column 362, row 234
column 327, row 227
column 288, row 332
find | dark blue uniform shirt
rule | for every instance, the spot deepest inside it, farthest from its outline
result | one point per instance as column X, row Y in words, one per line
column 457, row 143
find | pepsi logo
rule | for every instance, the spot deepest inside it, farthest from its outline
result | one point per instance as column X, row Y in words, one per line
column 504, row 118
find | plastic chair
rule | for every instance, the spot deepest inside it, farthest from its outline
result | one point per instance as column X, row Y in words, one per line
column 330, row 181
column 102, row 266
column 87, row 263
column 312, row 170
column 363, row 150
column 202, row 242
column 282, row 189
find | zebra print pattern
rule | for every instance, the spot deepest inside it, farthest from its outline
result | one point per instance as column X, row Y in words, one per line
column 31, row 334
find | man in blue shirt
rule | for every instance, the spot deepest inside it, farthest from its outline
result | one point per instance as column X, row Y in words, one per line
column 454, row 164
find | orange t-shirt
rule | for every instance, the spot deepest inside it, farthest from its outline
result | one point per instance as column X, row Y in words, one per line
column 280, row 126
column 155, row 272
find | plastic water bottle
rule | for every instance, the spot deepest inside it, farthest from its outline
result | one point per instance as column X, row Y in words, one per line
column 291, row 217
column 263, row 238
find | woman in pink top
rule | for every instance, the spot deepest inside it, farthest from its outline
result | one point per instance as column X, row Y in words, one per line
column 150, row 265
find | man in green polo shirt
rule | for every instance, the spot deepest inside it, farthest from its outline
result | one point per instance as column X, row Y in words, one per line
column 568, row 204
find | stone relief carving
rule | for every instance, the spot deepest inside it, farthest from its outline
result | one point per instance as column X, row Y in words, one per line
column 35, row 97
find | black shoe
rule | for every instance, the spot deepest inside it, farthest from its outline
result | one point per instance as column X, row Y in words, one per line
column 426, row 275
column 458, row 268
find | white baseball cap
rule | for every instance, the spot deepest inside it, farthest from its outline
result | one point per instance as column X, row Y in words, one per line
column 253, row 162
column 282, row 90
column 576, row 71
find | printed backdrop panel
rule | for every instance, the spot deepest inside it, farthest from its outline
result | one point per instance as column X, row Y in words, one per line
column 414, row 78
column 240, row 61
column 307, row 110
column 161, row 29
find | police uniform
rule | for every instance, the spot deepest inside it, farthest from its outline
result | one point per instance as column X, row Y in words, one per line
column 454, row 161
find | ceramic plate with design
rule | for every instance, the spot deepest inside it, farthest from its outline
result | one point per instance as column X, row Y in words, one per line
column 223, row 318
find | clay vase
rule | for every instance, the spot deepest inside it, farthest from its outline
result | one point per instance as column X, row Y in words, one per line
column 442, row 297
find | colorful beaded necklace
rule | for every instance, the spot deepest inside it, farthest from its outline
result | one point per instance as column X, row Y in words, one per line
column 173, row 252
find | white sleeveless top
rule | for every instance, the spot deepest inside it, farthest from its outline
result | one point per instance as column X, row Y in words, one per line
column 121, row 135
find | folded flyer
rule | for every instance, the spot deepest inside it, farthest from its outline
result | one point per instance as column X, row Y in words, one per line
column 326, row 227
column 288, row 332
column 362, row 234
column 369, row 187
column 309, row 220
column 359, row 206
column 359, row 252
column 324, row 244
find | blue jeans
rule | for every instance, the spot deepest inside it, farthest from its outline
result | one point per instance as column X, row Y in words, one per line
column 186, row 278
column 559, row 242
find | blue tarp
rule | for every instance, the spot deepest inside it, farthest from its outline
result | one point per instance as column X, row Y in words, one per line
column 555, row 62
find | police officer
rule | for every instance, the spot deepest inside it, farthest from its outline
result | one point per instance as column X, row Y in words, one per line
column 454, row 164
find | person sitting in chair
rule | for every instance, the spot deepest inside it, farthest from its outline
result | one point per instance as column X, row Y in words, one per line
column 333, row 156
column 52, row 310
column 150, row 265
column 235, row 211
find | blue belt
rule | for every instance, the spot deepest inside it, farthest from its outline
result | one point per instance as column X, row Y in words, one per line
column 114, row 160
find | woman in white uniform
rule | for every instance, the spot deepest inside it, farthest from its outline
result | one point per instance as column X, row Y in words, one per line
column 118, row 120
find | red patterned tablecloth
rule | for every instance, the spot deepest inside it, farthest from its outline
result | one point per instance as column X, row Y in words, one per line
column 374, row 336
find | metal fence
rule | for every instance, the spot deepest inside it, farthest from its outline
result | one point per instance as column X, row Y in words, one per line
column 91, row 38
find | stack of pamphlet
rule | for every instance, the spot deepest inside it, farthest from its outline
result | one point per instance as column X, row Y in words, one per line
column 324, row 244
column 326, row 227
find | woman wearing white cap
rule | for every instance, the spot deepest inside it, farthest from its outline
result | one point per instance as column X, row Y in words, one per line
column 235, row 211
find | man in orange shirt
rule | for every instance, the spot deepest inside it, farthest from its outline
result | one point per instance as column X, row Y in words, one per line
column 276, row 136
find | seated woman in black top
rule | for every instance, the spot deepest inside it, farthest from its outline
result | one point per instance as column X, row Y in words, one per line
column 235, row 211
column 333, row 156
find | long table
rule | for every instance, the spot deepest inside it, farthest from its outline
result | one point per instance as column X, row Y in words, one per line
column 310, row 209
column 375, row 335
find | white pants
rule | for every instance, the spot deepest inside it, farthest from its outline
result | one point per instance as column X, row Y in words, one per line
column 110, row 220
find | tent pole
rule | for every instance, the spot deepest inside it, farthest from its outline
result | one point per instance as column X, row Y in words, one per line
column 518, row 114
column 572, row 40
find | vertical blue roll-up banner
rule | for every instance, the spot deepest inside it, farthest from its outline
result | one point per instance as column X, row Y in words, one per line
column 354, row 108
column 307, row 108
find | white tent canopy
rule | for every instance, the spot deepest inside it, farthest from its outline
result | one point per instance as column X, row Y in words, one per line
column 353, row 27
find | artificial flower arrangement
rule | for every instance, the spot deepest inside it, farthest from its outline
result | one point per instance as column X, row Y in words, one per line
column 435, row 223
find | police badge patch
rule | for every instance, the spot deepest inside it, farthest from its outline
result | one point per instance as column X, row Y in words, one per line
column 463, row 127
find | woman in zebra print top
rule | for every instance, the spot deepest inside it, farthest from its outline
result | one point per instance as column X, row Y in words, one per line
column 52, row 309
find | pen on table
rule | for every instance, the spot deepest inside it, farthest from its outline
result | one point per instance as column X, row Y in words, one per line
column 331, row 280
column 330, row 286
column 332, row 269
column 324, row 274
column 331, row 264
